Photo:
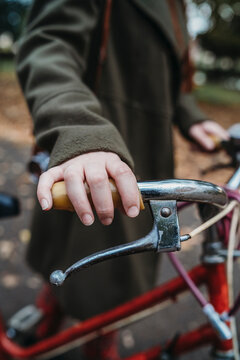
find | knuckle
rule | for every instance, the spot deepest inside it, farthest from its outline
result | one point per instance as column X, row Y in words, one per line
column 122, row 170
column 69, row 172
column 80, row 205
column 44, row 176
column 81, row 211
column 105, row 211
column 52, row 170
column 96, row 179
column 51, row 174
column 114, row 156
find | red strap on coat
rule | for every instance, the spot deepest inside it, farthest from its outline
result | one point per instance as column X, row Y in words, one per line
column 104, row 41
column 187, row 69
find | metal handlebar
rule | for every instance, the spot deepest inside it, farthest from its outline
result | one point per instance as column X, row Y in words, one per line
column 183, row 190
column 165, row 236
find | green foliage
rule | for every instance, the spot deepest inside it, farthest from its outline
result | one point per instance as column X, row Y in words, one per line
column 223, row 37
column 7, row 67
column 12, row 16
column 217, row 95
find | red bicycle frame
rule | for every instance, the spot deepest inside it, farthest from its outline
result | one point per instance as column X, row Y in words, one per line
column 213, row 276
column 210, row 274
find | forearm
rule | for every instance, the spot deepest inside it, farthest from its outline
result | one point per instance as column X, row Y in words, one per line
column 51, row 63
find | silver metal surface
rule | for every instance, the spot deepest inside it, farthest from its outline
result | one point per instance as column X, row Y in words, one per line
column 183, row 190
column 234, row 182
column 147, row 243
column 234, row 131
column 220, row 326
column 26, row 318
column 166, row 226
column 224, row 252
column 165, row 236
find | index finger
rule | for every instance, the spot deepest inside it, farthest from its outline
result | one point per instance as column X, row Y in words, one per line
column 46, row 181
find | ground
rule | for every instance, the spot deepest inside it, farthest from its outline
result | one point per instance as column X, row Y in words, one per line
column 18, row 284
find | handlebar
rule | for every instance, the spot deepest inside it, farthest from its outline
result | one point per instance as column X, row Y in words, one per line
column 162, row 197
column 183, row 190
column 176, row 189
column 165, row 236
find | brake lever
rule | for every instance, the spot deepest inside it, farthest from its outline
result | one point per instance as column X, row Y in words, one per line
column 162, row 197
column 163, row 237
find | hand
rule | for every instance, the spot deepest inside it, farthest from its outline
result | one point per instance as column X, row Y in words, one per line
column 200, row 133
column 95, row 168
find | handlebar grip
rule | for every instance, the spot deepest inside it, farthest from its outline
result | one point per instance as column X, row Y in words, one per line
column 61, row 200
column 216, row 140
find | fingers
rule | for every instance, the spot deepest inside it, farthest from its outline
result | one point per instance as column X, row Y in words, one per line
column 77, row 194
column 95, row 169
column 98, row 182
column 127, row 186
column 214, row 128
column 46, row 181
column 200, row 133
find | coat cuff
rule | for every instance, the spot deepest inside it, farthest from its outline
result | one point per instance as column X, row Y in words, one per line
column 80, row 140
column 70, row 124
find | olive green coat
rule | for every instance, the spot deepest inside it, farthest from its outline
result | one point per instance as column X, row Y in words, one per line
column 138, row 97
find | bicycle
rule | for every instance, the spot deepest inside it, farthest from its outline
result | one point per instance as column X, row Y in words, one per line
column 165, row 237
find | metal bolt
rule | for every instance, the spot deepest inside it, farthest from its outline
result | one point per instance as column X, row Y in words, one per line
column 165, row 212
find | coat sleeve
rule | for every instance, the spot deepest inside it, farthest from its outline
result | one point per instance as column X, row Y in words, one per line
column 188, row 113
column 51, row 63
column 187, row 110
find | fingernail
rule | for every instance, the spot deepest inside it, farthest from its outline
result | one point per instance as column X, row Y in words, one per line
column 107, row 221
column 87, row 219
column 133, row 211
column 44, row 204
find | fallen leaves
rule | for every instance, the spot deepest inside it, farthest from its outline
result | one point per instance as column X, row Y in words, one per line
column 24, row 236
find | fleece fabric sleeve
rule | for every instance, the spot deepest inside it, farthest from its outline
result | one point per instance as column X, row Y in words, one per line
column 188, row 113
column 51, row 62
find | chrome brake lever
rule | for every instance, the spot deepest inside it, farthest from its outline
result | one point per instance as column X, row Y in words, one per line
column 163, row 237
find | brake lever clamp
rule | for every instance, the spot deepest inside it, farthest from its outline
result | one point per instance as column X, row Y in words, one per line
column 164, row 237
column 167, row 225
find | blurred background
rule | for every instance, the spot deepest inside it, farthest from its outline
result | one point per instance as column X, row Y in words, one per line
column 214, row 27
